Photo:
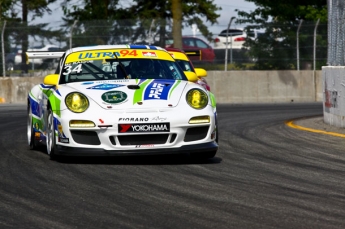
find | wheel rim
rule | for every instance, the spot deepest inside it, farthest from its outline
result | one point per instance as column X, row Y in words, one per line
column 50, row 132
column 29, row 126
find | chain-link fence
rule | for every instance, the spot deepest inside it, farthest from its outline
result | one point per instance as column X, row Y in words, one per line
column 336, row 33
column 282, row 46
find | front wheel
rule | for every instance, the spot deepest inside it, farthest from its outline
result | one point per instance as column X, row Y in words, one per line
column 30, row 130
column 50, row 137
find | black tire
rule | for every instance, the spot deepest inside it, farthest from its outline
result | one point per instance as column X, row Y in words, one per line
column 30, row 130
column 50, row 136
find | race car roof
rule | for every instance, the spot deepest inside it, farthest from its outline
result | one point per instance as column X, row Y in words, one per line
column 97, row 47
column 178, row 55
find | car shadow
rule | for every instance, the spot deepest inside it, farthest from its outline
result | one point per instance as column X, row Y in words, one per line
column 179, row 159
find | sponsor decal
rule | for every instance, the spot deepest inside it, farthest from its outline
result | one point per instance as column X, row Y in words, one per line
column 144, row 146
column 330, row 98
column 105, row 86
column 114, row 97
column 37, row 135
column 98, row 55
column 82, row 61
column 63, row 140
column 150, row 54
column 133, row 119
column 148, row 127
column 158, row 89
column 59, row 128
column 157, row 118
column 87, row 83
column 112, row 81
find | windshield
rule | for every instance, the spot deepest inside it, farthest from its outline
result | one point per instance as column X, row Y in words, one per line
column 129, row 68
column 185, row 65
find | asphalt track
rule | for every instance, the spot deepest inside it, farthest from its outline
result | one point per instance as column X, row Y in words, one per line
column 265, row 175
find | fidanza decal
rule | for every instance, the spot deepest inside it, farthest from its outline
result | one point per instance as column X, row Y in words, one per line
column 134, row 119
column 114, row 97
column 150, row 127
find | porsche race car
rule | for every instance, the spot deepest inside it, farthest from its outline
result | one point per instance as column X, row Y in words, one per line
column 120, row 100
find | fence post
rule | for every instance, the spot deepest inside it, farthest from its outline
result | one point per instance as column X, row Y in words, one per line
column 151, row 39
column 297, row 43
column 71, row 33
column 226, row 45
column 3, row 50
column 314, row 53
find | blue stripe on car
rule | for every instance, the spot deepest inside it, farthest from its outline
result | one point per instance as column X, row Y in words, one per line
column 142, row 47
column 158, row 89
column 34, row 107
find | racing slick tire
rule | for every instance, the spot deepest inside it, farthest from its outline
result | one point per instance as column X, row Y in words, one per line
column 30, row 130
column 51, row 139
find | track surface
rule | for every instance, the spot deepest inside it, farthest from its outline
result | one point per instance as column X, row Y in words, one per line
column 265, row 175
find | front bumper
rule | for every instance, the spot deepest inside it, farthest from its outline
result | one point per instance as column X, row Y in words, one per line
column 77, row 151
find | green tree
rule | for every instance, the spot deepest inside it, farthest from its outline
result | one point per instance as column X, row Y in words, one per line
column 140, row 22
column 176, row 9
column 193, row 12
column 276, row 48
column 5, row 6
column 98, row 22
column 20, row 32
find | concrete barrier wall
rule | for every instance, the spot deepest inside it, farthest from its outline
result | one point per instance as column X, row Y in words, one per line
column 232, row 87
column 266, row 86
column 333, row 78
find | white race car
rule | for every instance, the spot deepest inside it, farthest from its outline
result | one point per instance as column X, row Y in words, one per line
column 121, row 100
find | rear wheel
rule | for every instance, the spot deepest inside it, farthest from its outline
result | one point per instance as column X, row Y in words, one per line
column 30, row 130
column 50, row 137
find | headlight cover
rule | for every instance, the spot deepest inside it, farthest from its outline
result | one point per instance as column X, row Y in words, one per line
column 197, row 98
column 76, row 102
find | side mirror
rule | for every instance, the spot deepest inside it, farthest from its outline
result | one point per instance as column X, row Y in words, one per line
column 200, row 72
column 191, row 76
column 51, row 80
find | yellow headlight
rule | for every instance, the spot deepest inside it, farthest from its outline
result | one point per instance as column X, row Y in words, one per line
column 77, row 102
column 197, row 98
column 199, row 119
column 81, row 123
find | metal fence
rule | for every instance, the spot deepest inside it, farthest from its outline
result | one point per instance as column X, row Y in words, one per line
column 336, row 33
column 307, row 47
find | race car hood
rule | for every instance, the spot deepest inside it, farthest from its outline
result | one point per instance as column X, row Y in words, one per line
column 131, row 93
